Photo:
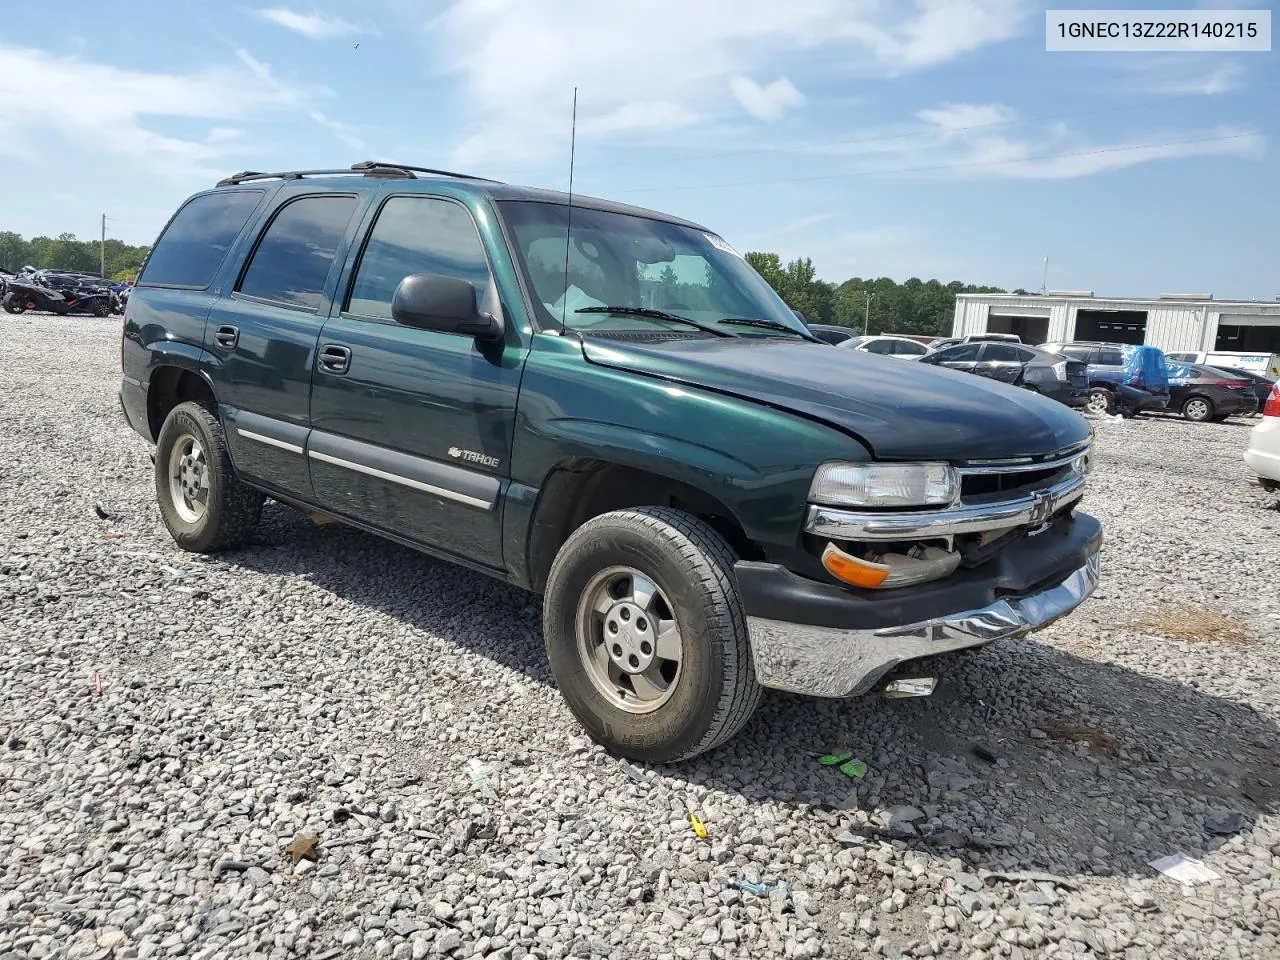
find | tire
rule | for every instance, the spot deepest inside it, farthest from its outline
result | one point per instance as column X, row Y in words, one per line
column 1197, row 409
column 225, row 514
column 712, row 692
column 1101, row 400
column 13, row 305
column 100, row 310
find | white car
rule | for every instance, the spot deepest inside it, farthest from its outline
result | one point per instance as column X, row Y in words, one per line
column 1263, row 455
column 904, row 348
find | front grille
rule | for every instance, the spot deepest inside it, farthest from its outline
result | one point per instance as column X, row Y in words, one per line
column 983, row 487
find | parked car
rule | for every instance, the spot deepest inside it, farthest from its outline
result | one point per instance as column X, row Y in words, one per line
column 1202, row 393
column 1260, row 385
column 709, row 499
column 887, row 345
column 939, row 343
column 1063, row 380
column 1263, row 454
column 831, row 333
column 1119, row 376
column 1262, row 364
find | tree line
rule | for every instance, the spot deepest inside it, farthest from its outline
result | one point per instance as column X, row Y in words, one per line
column 925, row 307
column 65, row 252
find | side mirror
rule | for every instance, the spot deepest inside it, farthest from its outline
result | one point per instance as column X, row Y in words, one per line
column 429, row 301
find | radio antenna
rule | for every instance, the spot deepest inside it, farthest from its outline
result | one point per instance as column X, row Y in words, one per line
column 568, row 229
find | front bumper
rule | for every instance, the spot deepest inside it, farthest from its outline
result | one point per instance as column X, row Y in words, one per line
column 829, row 641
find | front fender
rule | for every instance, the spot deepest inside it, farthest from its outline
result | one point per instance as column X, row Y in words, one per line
column 756, row 460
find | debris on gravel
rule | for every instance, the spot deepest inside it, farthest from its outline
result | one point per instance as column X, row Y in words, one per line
column 241, row 700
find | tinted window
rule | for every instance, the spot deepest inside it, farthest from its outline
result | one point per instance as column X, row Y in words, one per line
column 908, row 347
column 1001, row 353
column 1024, row 355
column 293, row 258
column 831, row 336
column 196, row 241
column 1110, row 357
column 964, row 352
column 879, row 346
column 416, row 235
column 1075, row 353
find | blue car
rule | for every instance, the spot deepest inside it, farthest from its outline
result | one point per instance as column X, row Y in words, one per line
column 1123, row 378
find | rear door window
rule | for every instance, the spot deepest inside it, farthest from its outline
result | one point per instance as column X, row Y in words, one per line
column 1076, row 353
column 1110, row 357
column 1000, row 353
column 908, row 348
column 961, row 354
column 194, row 244
column 293, row 258
column 883, row 347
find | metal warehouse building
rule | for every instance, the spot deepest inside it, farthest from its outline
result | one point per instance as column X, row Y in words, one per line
column 1171, row 321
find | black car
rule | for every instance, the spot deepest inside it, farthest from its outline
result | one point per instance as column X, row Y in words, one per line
column 1261, row 385
column 1204, row 393
column 832, row 333
column 1062, row 379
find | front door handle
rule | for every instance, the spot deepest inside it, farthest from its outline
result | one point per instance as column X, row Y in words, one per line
column 227, row 336
column 334, row 359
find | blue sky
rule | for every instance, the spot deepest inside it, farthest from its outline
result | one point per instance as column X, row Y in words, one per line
column 929, row 138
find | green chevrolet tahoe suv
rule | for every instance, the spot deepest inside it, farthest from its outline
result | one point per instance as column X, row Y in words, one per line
column 609, row 407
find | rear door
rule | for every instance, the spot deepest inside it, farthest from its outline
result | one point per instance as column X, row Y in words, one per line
column 263, row 334
column 413, row 432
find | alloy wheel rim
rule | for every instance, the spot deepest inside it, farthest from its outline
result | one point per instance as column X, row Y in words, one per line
column 1097, row 403
column 628, row 640
column 1197, row 409
column 189, row 479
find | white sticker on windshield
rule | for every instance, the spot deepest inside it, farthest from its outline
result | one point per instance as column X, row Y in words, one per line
column 720, row 244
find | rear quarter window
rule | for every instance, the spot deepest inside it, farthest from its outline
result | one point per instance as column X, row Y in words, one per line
column 194, row 244
column 297, row 250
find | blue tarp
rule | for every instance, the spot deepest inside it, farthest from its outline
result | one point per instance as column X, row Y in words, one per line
column 1146, row 368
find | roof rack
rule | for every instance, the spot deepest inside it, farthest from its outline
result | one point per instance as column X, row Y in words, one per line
column 372, row 165
column 369, row 168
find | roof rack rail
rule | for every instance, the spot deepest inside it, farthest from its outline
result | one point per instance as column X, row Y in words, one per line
column 378, row 170
column 372, row 165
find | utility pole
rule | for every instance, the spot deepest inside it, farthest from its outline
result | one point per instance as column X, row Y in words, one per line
column 1044, row 283
column 102, row 249
column 866, row 320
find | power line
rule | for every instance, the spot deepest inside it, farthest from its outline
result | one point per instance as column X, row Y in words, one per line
column 943, row 166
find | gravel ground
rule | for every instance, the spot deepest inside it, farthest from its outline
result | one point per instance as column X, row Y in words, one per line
column 170, row 724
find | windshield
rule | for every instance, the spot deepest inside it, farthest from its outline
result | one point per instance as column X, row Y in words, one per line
column 636, row 263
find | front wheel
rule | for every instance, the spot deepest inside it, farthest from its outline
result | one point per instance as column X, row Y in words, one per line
column 1100, row 401
column 646, row 634
column 13, row 304
column 1197, row 409
column 203, row 504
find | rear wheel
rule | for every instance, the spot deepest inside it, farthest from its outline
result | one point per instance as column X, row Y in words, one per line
column 1100, row 401
column 646, row 634
column 203, row 504
column 1197, row 409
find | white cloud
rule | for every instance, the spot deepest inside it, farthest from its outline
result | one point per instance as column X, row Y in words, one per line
column 47, row 101
column 1189, row 76
column 962, row 116
column 313, row 25
column 766, row 103
column 646, row 69
column 957, row 141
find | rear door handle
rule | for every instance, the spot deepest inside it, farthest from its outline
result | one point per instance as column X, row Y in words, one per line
column 227, row 336
column 334, row 359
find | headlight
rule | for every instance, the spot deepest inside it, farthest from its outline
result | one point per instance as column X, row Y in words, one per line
column 884, row 484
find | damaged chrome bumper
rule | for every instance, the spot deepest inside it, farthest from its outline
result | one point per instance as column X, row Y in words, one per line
column 830, row 662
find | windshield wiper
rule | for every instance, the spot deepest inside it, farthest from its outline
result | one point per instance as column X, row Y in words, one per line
column 657, row 315
column 769, row 325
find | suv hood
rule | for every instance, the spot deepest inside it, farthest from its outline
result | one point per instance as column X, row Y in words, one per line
column 952, row 416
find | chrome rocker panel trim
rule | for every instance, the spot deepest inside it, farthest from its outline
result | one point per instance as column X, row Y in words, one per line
column 828, row 662
column 1033, row 509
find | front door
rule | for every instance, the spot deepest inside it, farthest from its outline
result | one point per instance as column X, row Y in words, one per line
column 412, row 428
column 263, row 337
column 963, row 357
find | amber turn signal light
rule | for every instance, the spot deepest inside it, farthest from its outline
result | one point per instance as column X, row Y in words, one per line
column 858, row 573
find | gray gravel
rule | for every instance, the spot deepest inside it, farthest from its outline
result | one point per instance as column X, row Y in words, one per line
column 328, row 684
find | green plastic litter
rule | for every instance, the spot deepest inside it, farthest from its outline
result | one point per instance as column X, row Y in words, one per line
column 854, row 768
column 835, row 759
